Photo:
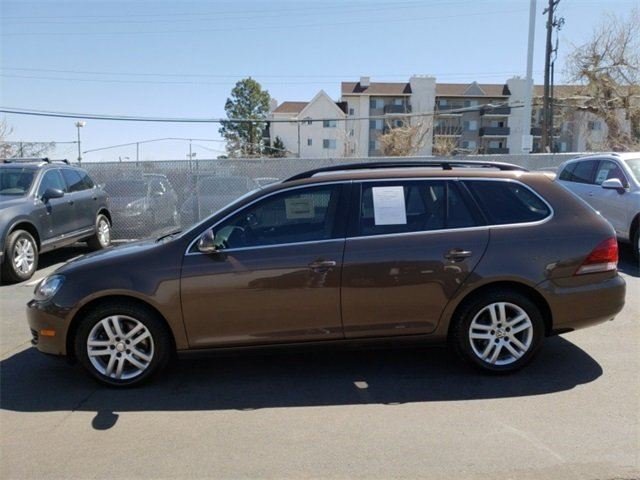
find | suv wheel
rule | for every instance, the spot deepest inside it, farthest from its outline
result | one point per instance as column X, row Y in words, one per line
column 102, row 237
column 122, row 344
column 499, row 332
column 20, row 256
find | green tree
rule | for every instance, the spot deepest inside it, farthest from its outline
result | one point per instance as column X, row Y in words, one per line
column 277, row 149
column 247, row 101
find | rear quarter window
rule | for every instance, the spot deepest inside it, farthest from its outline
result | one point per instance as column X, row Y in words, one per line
column 508, row 202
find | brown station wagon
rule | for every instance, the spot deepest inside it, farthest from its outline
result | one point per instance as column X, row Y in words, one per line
column 486, row 256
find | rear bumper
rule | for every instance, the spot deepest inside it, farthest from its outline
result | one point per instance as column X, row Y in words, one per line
column 575, row 307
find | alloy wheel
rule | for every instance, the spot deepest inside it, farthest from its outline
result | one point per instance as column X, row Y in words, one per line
column 104, row 232
column 120, row 347
column 501, row 333
column 23, row 256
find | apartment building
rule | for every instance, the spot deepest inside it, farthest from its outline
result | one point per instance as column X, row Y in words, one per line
column 321, row 131
column 472, row 118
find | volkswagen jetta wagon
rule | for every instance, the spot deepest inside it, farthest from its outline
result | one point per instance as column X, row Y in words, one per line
column 486, row 256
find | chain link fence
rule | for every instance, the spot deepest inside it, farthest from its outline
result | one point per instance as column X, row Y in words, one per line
column 152, row 197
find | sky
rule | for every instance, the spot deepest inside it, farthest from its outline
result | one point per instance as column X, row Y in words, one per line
column 182, row 58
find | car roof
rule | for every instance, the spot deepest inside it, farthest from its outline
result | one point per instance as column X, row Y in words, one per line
column 612, row 155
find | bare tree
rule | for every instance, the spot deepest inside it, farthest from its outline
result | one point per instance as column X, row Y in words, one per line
column 405, row 139
column 446, row 138
column 608, row 67
column 21, row 149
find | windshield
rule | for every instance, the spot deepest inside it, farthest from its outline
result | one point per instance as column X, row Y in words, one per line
column 223, row 185
column 634, row 166
column 126, row 188
column 15, row 181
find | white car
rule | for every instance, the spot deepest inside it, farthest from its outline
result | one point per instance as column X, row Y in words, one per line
column 610, row 183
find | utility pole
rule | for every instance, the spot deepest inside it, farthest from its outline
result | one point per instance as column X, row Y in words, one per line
column 79, row 125
column 527, row 139
column 546, row 101
column 298, row 124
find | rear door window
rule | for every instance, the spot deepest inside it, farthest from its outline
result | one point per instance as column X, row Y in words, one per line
column 584, row 171
column 73, row 180
column 411, row 206
column 508, row 202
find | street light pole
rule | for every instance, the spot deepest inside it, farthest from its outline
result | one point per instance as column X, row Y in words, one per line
column 79, row 125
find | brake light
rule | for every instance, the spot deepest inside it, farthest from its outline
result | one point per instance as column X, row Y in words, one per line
column 603, row 258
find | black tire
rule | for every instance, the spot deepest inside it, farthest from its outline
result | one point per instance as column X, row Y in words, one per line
column 10, row 272
column 498, row 336
column 157, row 345
column 97, row 241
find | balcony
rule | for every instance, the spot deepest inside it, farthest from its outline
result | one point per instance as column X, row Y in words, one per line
column 495, row 150
column 397, row 109
column 451, row 130
column 494, row 131
column 537, row 132
column 501, row 111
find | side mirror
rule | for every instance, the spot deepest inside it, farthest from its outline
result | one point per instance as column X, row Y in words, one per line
column 613, row 184
column 206, row 243
column 50, row 193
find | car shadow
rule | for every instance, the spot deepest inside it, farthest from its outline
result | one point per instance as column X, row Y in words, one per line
column 32, row 382
column 626, row 263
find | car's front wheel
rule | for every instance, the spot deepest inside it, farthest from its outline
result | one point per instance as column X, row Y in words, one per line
column 102, row 238
column 20, row 256
column 122, row 344
column 498, row 332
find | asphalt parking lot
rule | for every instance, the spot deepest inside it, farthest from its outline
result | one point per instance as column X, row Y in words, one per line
column 402, row 413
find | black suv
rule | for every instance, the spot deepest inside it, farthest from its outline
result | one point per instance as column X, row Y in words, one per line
column 46, row 205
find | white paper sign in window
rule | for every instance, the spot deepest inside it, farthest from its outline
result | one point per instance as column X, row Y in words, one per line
column 299, row 208
column 388, row 206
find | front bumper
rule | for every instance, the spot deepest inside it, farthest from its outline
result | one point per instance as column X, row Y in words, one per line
column 49, row 327
column 574, row 307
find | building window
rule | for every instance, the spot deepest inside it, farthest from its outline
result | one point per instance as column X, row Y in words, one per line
column 308, row 121
column 374, row 145
column 329, row 144
column 442, row 102
column 351, row 133
column 375, row 124
column 309, row 142
column 595, row 125
column 398, row 101
column 376, row 103
column 470, row 125
column 352, row 111
column 470, row 144
column 329, row 123
column 471, row 103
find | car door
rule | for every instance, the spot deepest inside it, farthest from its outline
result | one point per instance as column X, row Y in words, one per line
column 275, row 276
column 411, row 246
column 612, row 204
column 56, row 214
column 82, row 198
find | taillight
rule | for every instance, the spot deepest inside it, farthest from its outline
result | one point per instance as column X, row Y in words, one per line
column 603, row 258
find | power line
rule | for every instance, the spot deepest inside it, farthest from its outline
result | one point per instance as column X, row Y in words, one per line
column 265, row 27
column 132, row 118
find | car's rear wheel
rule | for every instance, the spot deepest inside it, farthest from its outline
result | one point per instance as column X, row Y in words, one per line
column 122, row 344
column 102, row 238
column 20, row 257
column 498, row 332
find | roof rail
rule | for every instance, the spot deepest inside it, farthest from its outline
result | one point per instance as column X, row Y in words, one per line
column 34, row 160
column 444, row 164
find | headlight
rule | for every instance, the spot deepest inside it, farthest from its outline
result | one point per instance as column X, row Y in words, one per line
column 48, row 287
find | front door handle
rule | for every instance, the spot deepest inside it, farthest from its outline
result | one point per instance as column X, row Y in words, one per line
column 456, row 254
column 322, row 264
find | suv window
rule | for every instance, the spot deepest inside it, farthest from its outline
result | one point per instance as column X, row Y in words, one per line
column 582, row 172
column 411, row 206
column 77, row 180
column 508, row 202
column 608, row 169
column 567, row 172
column 51, row 179
column 300, row 215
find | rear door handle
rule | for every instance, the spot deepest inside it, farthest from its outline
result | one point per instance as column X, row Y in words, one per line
column 457, row 254
column 322, row 264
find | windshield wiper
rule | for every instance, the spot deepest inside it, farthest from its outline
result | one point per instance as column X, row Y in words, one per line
column 166, row 235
